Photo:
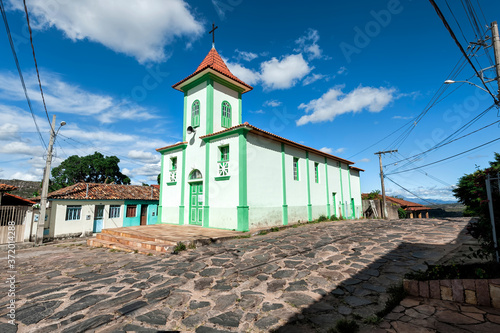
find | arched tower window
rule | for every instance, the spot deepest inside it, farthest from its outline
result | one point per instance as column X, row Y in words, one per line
column 226, row 114
column 195, row 114
column 195, row 174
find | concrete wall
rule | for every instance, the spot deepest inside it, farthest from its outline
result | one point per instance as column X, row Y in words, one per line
column 392, row 209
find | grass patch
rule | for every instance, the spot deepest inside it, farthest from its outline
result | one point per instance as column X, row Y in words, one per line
column 322, row 218
column 192, row 246
column 180, row 247
column 243, row 236
column 263, row 232
column 345, row 326
column 488, row 270
column 396, row 294
column 274, row 229
column 373, row 320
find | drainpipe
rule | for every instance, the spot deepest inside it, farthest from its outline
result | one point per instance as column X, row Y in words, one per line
column 87, row 192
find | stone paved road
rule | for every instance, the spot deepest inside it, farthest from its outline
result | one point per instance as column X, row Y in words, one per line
column 301, row 279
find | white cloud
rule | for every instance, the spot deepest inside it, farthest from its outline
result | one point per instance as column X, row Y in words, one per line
column 247, row 56
column 434, row 192
column 284, row 73
column 331, row 151
column 245, row 74
column 402, row 117
column 140, row 29
column 342, row 70
column 144, row 156
column 313, row 78
column 334, row 102
column 257, row 112
column 62, row 97
column 273, row 103
column 309, row 44
column 363, row 160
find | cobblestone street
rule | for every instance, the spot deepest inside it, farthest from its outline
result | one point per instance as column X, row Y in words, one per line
column 302, row 279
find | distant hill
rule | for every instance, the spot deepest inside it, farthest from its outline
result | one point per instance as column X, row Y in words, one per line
column 434, row 201
column 25, row 188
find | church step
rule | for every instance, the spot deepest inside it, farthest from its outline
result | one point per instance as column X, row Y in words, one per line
column 94, row 242
column 122, row 232
column 136, row 242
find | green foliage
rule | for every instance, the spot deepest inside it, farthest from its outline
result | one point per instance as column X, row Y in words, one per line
column 471, row 191
column 274, row 229
column 263, row 232
column 158, row 179
column 334, row 218
column 401, row 213
column 180, row 247
column 396, row 294
column 373, row 195
column 373, row 320
column 95, row 168
column 346, row 326
column 322, row 218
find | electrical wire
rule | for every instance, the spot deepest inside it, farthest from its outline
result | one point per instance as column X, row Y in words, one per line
column 392, row 181
column 36, row 66
column 4, row 16
column 447, row 158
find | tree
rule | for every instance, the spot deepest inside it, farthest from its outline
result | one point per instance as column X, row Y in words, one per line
column 471, row 191
column 95, row 168
column 159, row 179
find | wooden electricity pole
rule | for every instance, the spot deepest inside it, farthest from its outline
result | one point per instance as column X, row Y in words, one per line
column 380, row 153
column 496, row 49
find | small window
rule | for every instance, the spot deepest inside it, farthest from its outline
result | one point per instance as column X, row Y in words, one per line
column 73, row 213
column 131, row 211
column 226, row 114
column 295, row 168
column 316, row 172
column 195, row 174
column 224, row 153
column 195, row 114
column 114, row 211
column 174, row 163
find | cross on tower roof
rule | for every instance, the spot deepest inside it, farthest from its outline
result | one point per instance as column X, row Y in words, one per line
column 213, row 33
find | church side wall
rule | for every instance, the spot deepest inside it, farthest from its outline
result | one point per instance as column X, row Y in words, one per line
column 264, row 179
column 356, row 193
column 334, row 187
column 224, row 193
column 318, row 190
column 171, row 190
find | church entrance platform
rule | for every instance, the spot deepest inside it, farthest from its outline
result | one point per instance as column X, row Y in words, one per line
column 159, row 238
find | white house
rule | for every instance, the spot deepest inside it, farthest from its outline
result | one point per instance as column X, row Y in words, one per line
column 86, row 208
column 231, row 175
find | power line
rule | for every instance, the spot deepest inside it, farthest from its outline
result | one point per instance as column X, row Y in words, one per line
column 36, row 65
column 447, row 158
column 4, row 16
column 392, row 181
column 447, row 26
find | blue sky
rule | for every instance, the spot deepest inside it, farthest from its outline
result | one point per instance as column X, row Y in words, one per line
column 334, row 75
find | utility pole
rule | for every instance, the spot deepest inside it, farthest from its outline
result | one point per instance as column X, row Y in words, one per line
column 380, row 153
column 496, row 50
column 45, row 184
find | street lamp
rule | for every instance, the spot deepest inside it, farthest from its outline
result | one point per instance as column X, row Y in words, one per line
column 45, row 182
column 472, row 84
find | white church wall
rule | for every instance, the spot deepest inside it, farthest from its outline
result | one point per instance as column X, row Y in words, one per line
column 296, row 190
column 333, row 186
column 171, row 193
column 318, row 190
column 356, row 193
column 347, row 195
column 264, row 179
column 221, row 94
column 224, row 194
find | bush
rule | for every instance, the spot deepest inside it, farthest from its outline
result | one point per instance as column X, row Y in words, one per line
column 471, row 191
column 402, row 213
column 346, row 326
column 322, row 218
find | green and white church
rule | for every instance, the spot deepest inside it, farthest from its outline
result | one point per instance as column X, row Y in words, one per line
column 231, row 175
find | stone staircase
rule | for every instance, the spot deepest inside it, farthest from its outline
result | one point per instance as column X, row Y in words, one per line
column 129, row 241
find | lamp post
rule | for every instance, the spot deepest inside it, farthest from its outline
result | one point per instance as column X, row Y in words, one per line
column 471, row 83
column 45, row 182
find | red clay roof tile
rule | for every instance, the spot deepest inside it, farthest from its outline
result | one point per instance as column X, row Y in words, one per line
column 93, row 191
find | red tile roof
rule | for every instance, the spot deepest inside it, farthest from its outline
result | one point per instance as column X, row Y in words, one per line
column 5, row 187
column 407, row 205
column 92, row 191
column 215, row 62
column 172, row 146
column 258, row 131
column 12, row 198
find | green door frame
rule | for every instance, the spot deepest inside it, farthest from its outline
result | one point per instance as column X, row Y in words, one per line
column 197, row 187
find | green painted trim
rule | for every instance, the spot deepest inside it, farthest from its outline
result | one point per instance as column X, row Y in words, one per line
column 238, row 131
column 222, row 178
column 309, row 207
column 206, row 207
column 183, row 185
column 227, row 123
column 350, row 195
column 185, row 118
column 171, row 183
column 327, row 190
column 243, row 223
column 171, row 149
column 240, row 113
column 197, row 124
column 283, row 180
column 210, row 107
column 214, row 78
column 162, row 158
column 341, row 190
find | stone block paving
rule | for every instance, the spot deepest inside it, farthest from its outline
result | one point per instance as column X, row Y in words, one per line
column 301, row 279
